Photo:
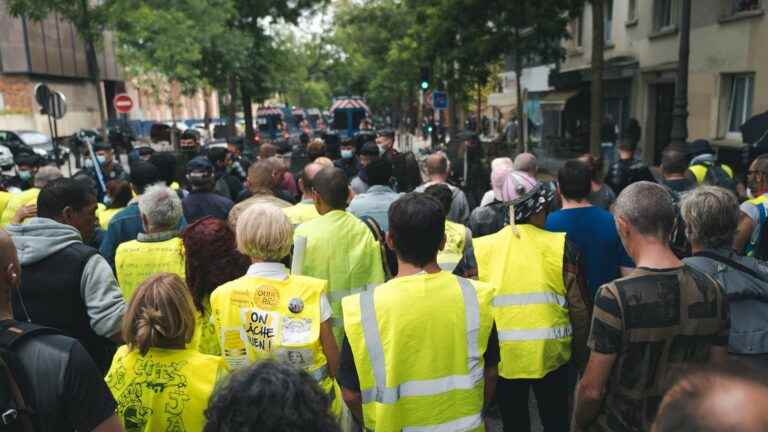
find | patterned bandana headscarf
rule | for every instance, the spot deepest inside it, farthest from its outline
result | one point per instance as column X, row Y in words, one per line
column 525, row 195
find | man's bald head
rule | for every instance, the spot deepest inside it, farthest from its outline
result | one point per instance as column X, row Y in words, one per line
column 527, row 163
column 437, row 165
column 305, row 182
column 725, row 399
column 330, row 186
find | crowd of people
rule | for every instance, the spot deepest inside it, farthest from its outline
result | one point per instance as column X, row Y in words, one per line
column 344, row 294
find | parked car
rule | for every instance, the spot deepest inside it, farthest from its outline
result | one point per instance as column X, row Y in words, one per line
column 26, row 141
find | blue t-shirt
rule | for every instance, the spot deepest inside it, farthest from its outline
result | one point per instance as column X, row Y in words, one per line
column 593, row 231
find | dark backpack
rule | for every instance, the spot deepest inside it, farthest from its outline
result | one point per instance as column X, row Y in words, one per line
column 15, row 414
column 717, row 176
column 678, row 241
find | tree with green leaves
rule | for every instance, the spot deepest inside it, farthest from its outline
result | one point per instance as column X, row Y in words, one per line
column 89, row 18
column 161, row 42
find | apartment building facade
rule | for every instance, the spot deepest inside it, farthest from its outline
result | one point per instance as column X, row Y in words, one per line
column 728, row 78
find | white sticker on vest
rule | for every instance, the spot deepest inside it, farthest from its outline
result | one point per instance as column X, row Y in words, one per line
column 233, row 348
column 301, row 358
column 260, row 328
column 297, row 331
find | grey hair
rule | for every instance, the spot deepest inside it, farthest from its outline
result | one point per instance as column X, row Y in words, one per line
column 46, row 175
column 526, row 162
column 711, row 215
column 648, row 207
column 161, row 206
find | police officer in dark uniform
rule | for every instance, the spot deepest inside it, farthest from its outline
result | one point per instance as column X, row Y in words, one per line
column 110, row 168
column 348, row 162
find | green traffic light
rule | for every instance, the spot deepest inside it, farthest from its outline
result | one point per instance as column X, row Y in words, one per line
column 424, row 85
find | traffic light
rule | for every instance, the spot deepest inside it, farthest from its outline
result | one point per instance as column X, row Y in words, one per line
column 424, row 83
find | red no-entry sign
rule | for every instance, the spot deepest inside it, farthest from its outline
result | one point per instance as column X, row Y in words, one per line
column 123, row 103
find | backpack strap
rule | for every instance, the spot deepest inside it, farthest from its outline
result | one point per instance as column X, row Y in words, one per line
column 733, row 264
column 378, row 234
column 19, row 413
column 12, row 334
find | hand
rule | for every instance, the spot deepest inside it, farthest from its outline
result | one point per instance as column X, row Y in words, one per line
column 23, row 213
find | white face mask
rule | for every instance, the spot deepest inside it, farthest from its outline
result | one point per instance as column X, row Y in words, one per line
column 347, row 154
column 382, row 149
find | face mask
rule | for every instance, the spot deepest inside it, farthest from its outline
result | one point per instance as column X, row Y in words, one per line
column 89, row 163
column 382, row 149
column 102, row 159
column 25, row 175
column 107, row 200
column 347, row 154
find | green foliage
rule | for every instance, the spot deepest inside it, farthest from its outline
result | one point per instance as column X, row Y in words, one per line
column 162, row 40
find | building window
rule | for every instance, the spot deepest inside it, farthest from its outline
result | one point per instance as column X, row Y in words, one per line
column 608, row 21
column 741, row 90
column 665, row 13
column 578, row 30
column 739, row 6
column 632, row 12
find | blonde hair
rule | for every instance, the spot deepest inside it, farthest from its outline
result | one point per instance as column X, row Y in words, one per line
column 160, row 314
column 264, row 232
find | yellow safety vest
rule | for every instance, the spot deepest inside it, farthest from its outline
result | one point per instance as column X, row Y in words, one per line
column 17, row 201
column 5, row 198
column 700, row 171
column 106, row 215
column 418, row 344
column 342, row 250
column 302, row 212
column 136, row 260
column 167, row 389
column 455, row 243
column 530, row 306
column 204, row 339
column 254, row 320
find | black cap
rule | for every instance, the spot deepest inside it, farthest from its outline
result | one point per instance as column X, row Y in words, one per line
column 143, row 174
column 101, row 145
column 389, row 133
column 199, row 163
column 369, row 149
column 26, row 158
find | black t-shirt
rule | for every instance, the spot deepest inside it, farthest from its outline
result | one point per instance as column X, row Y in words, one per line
column 347, row 374
column 61, row 383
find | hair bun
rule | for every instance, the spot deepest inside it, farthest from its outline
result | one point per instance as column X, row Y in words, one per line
column 152, row 318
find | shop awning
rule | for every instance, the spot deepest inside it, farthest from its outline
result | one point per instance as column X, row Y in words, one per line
column 556, row 100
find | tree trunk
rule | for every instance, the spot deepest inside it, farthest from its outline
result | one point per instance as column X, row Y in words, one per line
column 245, row 94
column 207, row 115
column 93, row 65
column 478, row 123
column 231, row 110
column 519, row 88
column 598, row 46
column 172, row 105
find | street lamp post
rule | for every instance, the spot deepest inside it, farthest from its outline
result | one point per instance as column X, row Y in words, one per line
column 679, row 133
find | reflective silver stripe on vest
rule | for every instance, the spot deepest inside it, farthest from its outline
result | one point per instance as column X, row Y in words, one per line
column 465, row 423
column 389, row 395
column 535, row 334
column 336, row 296
column 528, row 299
column 320, row 373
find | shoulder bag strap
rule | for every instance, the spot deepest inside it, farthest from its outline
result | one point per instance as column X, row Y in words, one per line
column 733, row 264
